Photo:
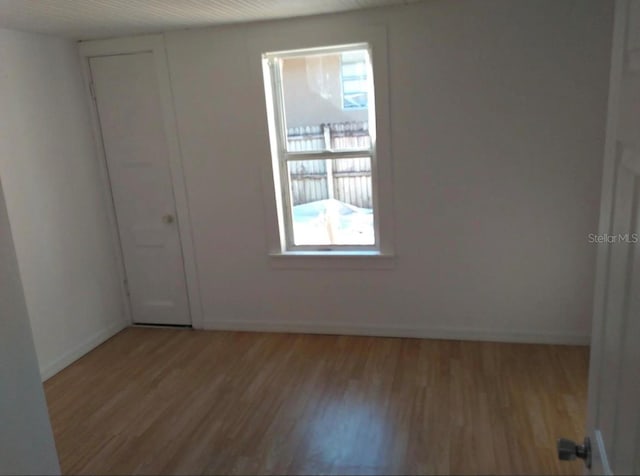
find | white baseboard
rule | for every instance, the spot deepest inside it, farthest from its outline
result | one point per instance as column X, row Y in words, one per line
column 396, row 331
column 52, row 368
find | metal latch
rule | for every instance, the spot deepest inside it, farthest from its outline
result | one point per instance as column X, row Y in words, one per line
column 568, row 450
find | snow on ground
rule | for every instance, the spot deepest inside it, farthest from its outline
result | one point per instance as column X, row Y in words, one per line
column 315, row 223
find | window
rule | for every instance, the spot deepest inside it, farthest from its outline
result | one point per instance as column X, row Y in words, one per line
column 354, row 80
column 322, row 124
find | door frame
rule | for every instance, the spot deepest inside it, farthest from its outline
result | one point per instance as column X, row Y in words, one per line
column 612, row 157
column 147, row 44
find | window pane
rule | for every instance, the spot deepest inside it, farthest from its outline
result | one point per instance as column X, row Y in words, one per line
column 323, row 94
column 354, row 86
column 355, row 100
column 355, row 56
column 331, row 201
column 354, row 70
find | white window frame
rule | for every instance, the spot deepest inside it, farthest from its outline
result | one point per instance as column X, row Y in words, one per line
column 272, row 69
column 309, row 35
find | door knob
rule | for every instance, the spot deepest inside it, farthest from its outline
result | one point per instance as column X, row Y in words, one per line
column 568, row 450
column 168, row 218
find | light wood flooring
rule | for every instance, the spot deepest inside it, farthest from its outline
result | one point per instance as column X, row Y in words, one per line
column 156, row 401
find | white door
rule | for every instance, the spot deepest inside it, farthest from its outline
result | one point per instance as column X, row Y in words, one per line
column 133, row 132
column 26, row 439
column 613, row 421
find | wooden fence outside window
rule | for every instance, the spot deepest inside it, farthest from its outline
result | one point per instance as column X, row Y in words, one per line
column 347, row 180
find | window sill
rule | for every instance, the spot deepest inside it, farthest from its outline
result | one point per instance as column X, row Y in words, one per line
column 332, row 260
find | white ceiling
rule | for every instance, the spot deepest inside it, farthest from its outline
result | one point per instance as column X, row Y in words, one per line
column 90, row 19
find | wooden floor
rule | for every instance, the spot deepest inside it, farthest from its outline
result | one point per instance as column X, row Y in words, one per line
column 152, row 401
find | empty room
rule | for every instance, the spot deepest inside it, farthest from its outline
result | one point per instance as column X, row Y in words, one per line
column 319, row 237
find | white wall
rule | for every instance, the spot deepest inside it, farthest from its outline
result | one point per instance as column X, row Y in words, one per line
column 26, row 440
column 497, row 126
column 56, row 207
